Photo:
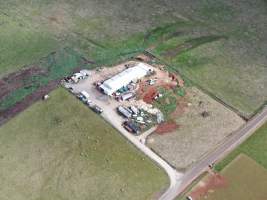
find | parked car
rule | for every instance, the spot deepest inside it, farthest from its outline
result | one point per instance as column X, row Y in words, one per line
column 89, row 102
column 125, row 112
column 97, row 109
column 85, row 73
column 134, row 109
column 76, row 77
column 127, row 96
column 83, row 96
column 131, row 127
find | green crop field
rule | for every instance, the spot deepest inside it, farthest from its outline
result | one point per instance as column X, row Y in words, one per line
column 59, row 149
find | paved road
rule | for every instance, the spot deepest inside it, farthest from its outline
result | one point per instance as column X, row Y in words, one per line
column 228, row 145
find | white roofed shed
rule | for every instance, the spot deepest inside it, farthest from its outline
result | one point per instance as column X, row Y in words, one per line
column 124, row 78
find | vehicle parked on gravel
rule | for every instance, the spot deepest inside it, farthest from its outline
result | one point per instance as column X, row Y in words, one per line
column 83, row 96
column 83, row 74
column 127, row 96
column 97, row 109
column 131, row 127
column 125, row 112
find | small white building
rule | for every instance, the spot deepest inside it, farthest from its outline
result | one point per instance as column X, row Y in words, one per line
column 124, row 78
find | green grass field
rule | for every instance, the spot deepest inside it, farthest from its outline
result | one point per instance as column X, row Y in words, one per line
column 59, row 149
column 246, row 180
column 219, row 45
column 254, row 147
column 220, row 49
column 243, row 179
column 22, row 44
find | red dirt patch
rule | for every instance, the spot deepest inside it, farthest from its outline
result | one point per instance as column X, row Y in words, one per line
column 166, row 127
column 214, row 182
column 150, row 94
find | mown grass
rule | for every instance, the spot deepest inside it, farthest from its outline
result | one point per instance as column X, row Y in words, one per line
column 59, row 149
column 254, row 147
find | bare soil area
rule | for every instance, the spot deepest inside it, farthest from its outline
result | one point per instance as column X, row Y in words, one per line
column 166, row 127
column 202, row 125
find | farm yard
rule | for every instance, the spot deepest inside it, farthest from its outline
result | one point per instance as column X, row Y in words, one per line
column 202, row 124
column 56, row 150
column 243, row 178
column 138, row 103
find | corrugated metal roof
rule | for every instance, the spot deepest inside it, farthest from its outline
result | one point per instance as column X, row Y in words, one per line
column 124, row 78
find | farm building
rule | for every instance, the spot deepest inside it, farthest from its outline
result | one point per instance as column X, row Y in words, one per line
column 124, row 78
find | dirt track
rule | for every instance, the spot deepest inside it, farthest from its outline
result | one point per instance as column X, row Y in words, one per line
column 7, row 114
column 19, row 79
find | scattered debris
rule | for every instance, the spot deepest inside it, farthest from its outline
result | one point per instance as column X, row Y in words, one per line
column 160, row 117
